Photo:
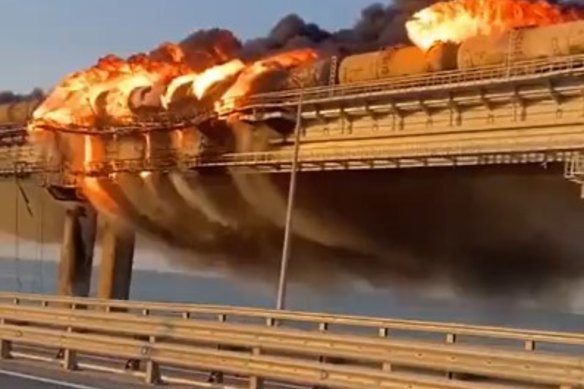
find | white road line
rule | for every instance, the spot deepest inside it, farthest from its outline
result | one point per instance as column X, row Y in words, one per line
column 63, row 384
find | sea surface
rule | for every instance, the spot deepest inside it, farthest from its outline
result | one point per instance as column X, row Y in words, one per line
column 39, row 277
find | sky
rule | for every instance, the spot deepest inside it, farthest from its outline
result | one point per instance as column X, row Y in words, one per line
column 43, row 40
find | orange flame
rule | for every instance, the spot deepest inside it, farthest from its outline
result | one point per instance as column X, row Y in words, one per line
column 73, row 102
column 105, row 89
column 457, row 20
column 243, row 86
column 201, row 83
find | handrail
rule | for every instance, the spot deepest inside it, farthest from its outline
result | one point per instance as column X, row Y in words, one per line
column 490, row 362
column 324, row 320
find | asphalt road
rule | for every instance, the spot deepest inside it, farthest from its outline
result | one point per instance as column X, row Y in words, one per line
column 31, row 375
column 10, row 379
column 15, row 374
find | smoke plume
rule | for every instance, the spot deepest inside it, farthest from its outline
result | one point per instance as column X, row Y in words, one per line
column 7, row 97
column 379, row 26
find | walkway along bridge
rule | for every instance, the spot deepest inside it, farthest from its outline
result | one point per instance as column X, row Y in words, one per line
column 526, row 113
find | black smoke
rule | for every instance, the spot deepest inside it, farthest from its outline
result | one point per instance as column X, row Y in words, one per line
column 7, row 97
column 378, row 26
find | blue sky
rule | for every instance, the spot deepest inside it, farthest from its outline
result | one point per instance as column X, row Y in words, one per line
column 43, row 40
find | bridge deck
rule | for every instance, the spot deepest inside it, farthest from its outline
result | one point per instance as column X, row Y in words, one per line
column 531, row 112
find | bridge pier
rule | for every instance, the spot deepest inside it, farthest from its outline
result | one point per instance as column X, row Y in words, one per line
column 76, row 262
column 116, row 262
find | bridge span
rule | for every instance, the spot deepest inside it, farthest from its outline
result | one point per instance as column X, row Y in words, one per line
column 527, row 112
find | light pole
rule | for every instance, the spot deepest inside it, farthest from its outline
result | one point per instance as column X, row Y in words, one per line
column 282, row 284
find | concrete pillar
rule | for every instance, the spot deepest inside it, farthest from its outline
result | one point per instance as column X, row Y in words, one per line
column 116, row 262
column 74, row 278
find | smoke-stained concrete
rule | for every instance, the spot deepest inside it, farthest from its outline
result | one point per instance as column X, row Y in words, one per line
column 45, row 220
column 77, row 247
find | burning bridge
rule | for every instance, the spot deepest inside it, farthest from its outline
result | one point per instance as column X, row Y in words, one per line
column 524, row 113
column 528, row 112
column 521, row 113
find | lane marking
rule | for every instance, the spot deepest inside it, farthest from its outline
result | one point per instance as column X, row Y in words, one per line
column 42, row 380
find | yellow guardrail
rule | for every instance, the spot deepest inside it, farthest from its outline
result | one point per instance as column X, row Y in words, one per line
column 483, row 361
column 383, row 326
column 283, row 353
column 249, row 364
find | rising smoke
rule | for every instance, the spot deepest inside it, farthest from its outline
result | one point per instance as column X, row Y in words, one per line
column 7, row 97
column 379, row 26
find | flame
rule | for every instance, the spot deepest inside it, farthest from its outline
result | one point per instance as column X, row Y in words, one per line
column 73, row 102
column 201, row 83
column 457, row 20
column 243, row 86
column 85, row 97
column 216, row 74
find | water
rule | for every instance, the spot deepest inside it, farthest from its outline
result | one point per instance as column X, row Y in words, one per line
column 39, row 277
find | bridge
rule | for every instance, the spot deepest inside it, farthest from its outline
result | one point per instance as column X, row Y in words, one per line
column 528, row 112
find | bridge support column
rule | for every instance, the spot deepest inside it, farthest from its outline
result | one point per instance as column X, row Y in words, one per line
column 116, row 263
column 74, row 278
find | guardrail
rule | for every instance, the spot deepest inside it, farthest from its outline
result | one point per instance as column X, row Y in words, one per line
column 288, row 340
column 451, row 333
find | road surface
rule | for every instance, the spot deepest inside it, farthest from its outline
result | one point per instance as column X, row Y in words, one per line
column 11, row 379
column 31, row 375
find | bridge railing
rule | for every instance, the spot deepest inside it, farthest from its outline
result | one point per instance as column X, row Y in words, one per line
column 519, row 71
column 535, row 69
column 283, row 354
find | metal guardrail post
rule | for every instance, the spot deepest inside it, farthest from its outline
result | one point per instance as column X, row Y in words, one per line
column 384, row 333
column 152, row 374
column 5, row 345
column 529, row 345
column 256, row 382
column 69, row 356
column 450, row 339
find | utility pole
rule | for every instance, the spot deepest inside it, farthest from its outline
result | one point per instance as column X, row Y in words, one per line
column 282, row 285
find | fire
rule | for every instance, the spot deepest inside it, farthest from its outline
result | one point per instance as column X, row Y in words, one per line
column 243, row 86
column 74, row 101
column 457, row 20
column 216, row 74
column 104, row 90
column 201, row 83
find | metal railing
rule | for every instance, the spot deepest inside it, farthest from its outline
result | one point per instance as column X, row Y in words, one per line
column 536, row 69
column 375, row 347
column 574, row 168
column 323, row 322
